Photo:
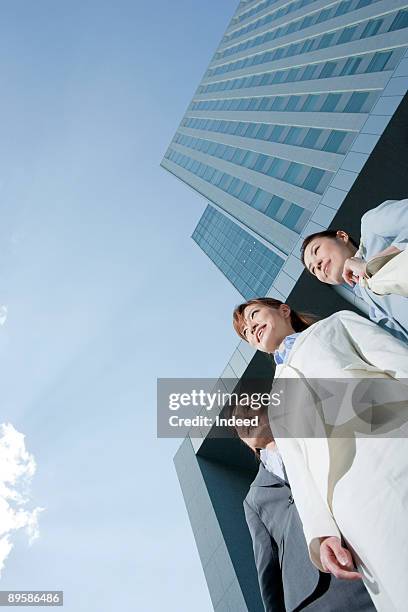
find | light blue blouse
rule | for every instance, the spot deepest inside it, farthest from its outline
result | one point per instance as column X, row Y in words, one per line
column 282, row 353
column 382, row 227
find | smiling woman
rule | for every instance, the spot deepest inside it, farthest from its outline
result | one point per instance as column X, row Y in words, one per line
column 325, row 253
column 265, row 322
column 343, row 482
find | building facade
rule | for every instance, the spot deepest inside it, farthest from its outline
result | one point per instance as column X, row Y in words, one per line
column 293, row 103
column 299, row 123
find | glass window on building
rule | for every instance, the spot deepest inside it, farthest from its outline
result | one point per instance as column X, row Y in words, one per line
column 400, row 21
column 278, row 104
column 311, row 138
column 276, row 167
column 379, row 61
column 277, row 132
column 335, row 141
column 312, row 181
column 356, row 102
column 292, row 216
column 292, row 103
column 292, row 173
column 215, row 234
column 328, row 70
column 311, row 103
column 294, row 136
column 261, row 162
column 330, row 103
column 372, row 28
column 274, row 206
column 351, row 66
column 261, row 200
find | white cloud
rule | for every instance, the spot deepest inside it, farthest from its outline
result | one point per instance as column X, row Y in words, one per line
column 17, row 467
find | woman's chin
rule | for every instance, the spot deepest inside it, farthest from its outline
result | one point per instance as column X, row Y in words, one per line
column 336, row 278
column 268, row 347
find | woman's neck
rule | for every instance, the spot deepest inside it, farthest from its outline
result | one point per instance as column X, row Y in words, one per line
column 289, row 332
column 271, row 445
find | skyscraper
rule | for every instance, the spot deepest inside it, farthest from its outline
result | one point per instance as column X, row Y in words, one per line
column 293, row 103
column 300, row 121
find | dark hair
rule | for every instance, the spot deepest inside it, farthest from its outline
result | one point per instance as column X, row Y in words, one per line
column 246, row 412
column 325, row 234
column 299, row 320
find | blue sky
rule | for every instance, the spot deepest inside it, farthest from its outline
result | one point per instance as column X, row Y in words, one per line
column 105, row 290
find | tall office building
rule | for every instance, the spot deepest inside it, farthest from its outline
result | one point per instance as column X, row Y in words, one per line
column 294, row 100
column 300, row 121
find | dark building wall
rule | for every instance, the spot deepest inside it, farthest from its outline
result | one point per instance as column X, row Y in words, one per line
column 383, row 177
column 227, row 487
column 213, row 493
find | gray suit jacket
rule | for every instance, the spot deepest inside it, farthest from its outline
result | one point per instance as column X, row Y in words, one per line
column 287, row 578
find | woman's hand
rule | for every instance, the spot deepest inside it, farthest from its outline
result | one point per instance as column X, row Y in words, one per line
column 353, row 269
column 337, row 560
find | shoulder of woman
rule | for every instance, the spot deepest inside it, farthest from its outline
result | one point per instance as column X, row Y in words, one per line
column 346, row 314
column 337, row 319
column 371, row 218
column 250, row 503
column 339, row 316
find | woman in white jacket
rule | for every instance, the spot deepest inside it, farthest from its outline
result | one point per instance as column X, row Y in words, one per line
column 353, row 486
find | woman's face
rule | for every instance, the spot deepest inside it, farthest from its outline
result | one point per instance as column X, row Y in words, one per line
column 266, row 327
column 325, row 257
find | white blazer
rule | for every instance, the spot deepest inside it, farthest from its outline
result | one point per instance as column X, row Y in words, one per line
column 392, row 277
column 354, row 486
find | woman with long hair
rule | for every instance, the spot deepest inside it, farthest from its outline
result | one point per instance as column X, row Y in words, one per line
column 349, row 488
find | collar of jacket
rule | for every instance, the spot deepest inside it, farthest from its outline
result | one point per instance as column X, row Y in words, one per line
column 355, row 363
column 298, row 342
column 264, row 478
